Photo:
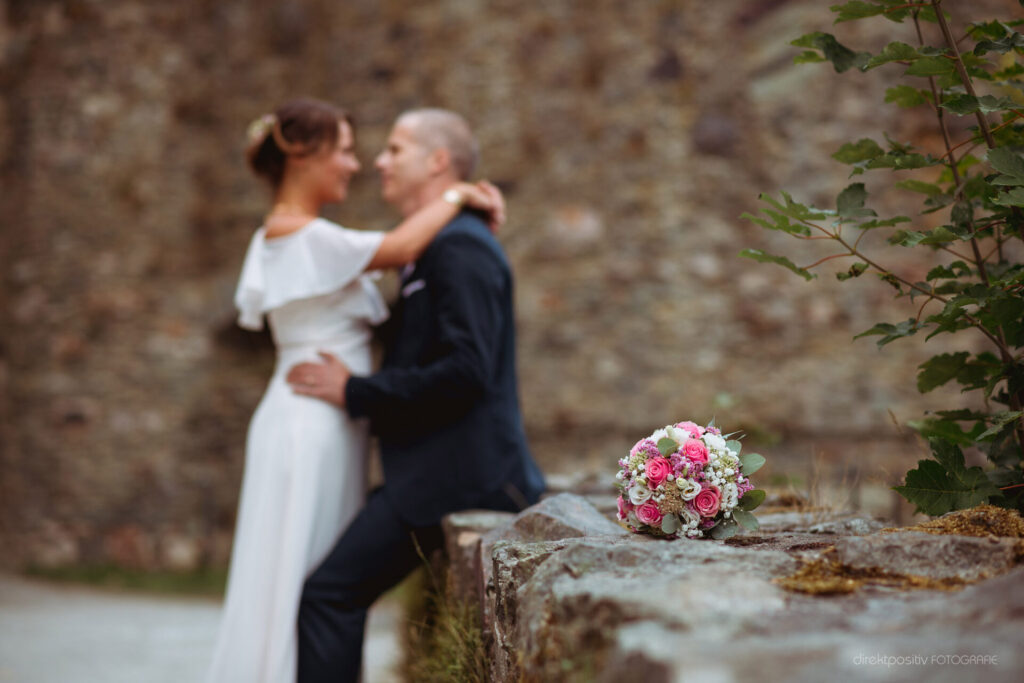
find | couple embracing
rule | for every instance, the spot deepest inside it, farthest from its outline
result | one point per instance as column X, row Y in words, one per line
column 312, row 549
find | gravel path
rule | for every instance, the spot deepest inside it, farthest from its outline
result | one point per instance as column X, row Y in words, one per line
column 55, row 633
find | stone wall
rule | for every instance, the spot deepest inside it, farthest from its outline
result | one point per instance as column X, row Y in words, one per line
column 564, row 594
column 628, row 137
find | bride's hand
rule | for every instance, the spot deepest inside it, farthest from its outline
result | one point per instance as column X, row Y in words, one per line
column 485, row 197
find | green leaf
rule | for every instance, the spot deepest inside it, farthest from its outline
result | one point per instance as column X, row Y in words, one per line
column 890, row 332
column 726, row 528
column 899, row 161
column 1014, row 197
column 911, row 238
column 931, row 66
column 944, row 484
column 956, row 269
column 929, row 189
column 943, row 429
column 808, row 57
column 864, row 149
column 667, row 445
column 842, row 57
column 746, row 520
column 938, row 370
column 856, row 270
column 856, row 10
column 963, row 105
column 850, row 202
column 750, row 463
column 1009, row 163
column 1000, row 420
column 883, row 223
column 751, row 499
column 906, row 96
column 670, row 524
column 1002, row 46
column 734, row 446
column 893, row 52
column 762, row 257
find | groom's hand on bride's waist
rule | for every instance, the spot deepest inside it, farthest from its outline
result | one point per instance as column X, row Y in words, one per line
column 325, row 381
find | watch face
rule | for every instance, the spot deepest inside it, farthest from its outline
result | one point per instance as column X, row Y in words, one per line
column 453, row 197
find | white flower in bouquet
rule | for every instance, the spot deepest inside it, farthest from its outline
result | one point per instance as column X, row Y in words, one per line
column 714, row 442
column 639, row 494
column 688, row 488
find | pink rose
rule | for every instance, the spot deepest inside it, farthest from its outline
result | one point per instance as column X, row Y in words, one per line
column 706, row 502
column 694, row 430
column 648, row 513
column 657, row 471
column 625, row 507
column 696, row 452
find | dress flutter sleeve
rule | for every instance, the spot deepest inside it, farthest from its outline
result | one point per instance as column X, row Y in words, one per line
column 318, row 259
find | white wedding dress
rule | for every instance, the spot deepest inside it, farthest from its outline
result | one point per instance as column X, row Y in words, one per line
column 305, row 459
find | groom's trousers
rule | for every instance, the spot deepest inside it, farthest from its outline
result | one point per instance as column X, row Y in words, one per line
column 374, row 554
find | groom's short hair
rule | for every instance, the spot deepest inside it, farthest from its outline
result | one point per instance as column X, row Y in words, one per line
column 444, row 129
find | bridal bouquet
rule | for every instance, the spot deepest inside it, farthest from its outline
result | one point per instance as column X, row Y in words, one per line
column 688, row 480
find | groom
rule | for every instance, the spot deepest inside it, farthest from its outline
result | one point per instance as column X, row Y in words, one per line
column 444, row 404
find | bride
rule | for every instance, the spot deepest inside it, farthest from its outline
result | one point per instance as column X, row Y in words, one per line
column 305, row 460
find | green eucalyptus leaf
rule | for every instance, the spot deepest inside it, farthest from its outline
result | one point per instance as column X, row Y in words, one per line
column 670, row 524
column 667, row 445
column 734, row 446
column 751, row 462
column 751, row 499
column 726, row 528
column 762, row 257
column 747, row 520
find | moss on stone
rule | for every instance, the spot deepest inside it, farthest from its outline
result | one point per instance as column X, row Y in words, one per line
column 827, row 576
column 983, row 520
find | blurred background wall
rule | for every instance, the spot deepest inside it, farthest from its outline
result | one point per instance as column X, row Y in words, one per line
column 628, row 136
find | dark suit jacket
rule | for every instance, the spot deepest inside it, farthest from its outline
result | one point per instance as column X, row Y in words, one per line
column 445, row 402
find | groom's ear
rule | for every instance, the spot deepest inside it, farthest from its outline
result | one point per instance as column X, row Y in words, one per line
column 439, row 161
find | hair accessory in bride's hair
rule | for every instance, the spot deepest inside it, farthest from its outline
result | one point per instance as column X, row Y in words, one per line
column 258, row 129
column 270, row 124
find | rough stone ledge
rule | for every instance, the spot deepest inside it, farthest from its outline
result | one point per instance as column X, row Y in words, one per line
column 568, row 595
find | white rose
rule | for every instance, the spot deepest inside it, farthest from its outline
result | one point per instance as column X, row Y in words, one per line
column 680, row 436
column 658, row 435
column 732, row 495
column 688, row 489
column 639, row 494
column 689, row 518
column 714, row 442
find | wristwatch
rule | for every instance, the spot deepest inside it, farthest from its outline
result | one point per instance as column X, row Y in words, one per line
column 453, row 196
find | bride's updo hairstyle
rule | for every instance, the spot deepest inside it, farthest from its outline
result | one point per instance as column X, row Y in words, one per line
column 296, row 128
